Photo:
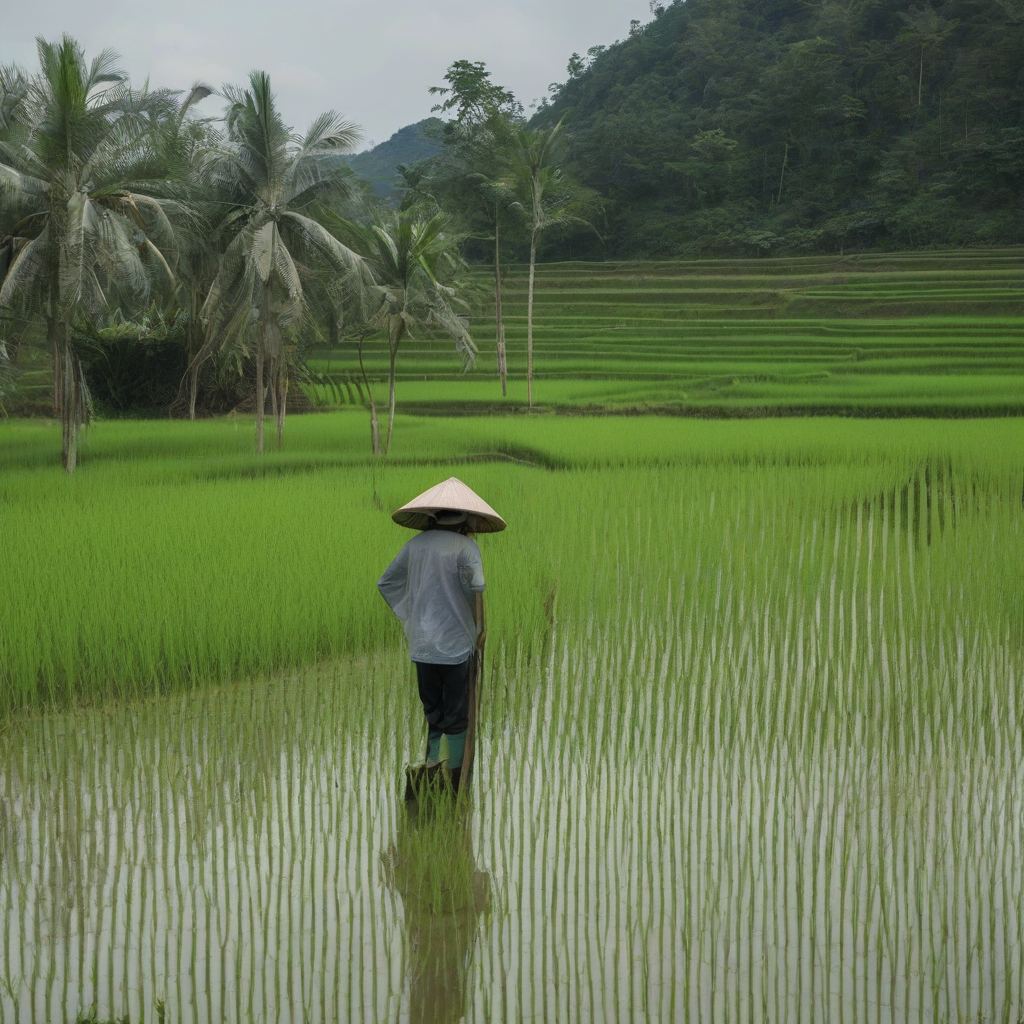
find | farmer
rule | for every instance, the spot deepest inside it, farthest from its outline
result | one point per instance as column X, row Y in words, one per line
column 435, row 586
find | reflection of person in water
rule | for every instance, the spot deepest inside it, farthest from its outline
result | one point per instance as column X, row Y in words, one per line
column 431, row 866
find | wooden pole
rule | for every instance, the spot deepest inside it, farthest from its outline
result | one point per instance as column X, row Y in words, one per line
column 475, row 679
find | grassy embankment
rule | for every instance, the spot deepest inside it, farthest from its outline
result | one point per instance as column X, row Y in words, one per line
column 936, row 334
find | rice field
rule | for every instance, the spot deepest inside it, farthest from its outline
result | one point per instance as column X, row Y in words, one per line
column 925, row 334
column 751, row 735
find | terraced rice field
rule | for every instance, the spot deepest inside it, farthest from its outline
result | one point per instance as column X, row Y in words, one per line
column 926, row 334
column 751, row 735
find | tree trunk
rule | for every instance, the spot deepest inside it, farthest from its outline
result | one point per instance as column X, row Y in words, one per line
column 58, row 369
column 393, row 348
column 529, row 319
column 282, row 402
column 374, row 423
column 260, row 395
column 920, row 76
column 193, row 371
column 193, row 388
column 70, row 397
column 499, row 320
column 275, row 369
column 782, row 177
column 74, row 407
column 65, row 406
column 68, row 445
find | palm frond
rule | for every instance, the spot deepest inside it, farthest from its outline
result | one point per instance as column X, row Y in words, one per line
column 321, row 182
column 118, row 245
column 19, row 187
column 199, row 92
column 288, row 305
column 76, row 250
column 329, row 132
column 161, row 261
column 27, row 269
column 335, row 254
column 441, row 315
column 261, row 250
column 104, row 68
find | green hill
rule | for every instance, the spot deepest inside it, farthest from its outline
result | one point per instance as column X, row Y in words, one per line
column 753, row 127
column 379, row 166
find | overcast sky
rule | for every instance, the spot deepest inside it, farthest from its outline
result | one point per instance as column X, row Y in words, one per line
column 372, row 60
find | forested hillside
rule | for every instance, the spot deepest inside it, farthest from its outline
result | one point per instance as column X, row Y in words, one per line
column 762, row 126
column 379, row 166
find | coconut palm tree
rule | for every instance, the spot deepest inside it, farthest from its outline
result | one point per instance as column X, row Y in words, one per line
column 274, row 188
column 12, row 97
column 416, row 263
column 546, row 197
column 183, row 141
column 91, row 203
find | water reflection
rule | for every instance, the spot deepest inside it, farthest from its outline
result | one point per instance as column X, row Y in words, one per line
column 444, row 894
column 676, row 846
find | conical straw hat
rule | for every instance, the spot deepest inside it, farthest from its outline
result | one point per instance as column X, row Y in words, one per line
column 451, row 494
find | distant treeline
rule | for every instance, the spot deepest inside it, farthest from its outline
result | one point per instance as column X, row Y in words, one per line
column 787, row 126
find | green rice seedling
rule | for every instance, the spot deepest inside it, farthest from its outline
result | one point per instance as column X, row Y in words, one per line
column 166, row 571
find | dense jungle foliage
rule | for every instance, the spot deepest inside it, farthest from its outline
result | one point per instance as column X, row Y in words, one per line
column 751, row 127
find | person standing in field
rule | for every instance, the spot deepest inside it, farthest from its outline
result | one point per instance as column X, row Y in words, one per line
column 435, row 586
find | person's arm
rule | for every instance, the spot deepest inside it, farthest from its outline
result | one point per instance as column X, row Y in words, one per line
column 392, row 584
column 471, row 573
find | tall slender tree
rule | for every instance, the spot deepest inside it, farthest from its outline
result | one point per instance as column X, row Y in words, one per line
column 95, row 204
column 466, row 177
column 547, row 198
column 418, row 269
column 274, row 188
column 928, row 29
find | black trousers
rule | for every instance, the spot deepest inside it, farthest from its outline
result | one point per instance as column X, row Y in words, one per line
column 444, row 691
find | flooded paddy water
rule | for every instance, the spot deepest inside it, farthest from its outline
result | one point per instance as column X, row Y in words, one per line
column 763, row 764
column 635, row 849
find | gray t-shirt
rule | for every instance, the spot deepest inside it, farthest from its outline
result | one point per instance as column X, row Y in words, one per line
column 431, row 587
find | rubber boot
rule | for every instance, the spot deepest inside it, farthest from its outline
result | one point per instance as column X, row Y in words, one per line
column 456, row 750
column 433, row 745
